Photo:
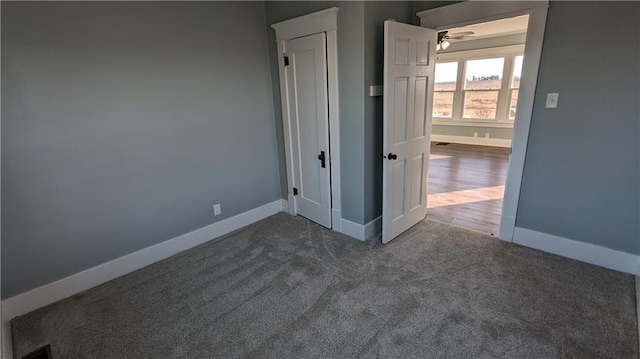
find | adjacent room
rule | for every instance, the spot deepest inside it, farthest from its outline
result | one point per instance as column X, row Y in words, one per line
column 477, row 79
column 320, row 179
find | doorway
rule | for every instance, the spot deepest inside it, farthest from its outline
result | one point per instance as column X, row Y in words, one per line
column 473, row 12
column 475, row 105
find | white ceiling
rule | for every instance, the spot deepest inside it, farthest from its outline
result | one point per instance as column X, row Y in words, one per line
column 512, row 25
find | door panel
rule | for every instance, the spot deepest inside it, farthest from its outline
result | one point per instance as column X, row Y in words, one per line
column 401, row 51
column 408, row 83
column 306, row 77
column 400, row 87
column 420, row 103
column 398, row 179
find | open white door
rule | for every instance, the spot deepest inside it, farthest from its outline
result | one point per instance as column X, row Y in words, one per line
column 409, row 64
column 306, row 78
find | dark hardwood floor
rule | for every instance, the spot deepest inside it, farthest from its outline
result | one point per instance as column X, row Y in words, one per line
column 466, row 185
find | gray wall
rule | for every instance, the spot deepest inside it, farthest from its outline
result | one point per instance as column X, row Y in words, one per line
column 426, row 5
column 581, row 171
column 360, row 41
column 123, row 123
column 375, row 13
column 351, row 88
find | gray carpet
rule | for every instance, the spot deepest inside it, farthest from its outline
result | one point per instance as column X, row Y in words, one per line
column 288, row 288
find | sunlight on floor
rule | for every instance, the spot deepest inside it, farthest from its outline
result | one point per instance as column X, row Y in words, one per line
column 438, row 157
column 465, row 196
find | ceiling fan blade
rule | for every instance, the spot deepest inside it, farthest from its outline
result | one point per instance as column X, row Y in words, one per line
column 462, row 33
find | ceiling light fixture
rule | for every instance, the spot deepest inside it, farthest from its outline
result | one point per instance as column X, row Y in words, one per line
column 442, row 43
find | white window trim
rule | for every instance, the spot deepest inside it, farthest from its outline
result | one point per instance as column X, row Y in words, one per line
column 472, row 12
column 461, row 57
column 321, row 21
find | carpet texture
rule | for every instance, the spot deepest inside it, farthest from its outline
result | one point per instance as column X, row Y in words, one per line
column 288, row 288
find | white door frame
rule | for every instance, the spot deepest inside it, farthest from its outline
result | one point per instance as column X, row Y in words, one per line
column 322, row 21
column 473, row 11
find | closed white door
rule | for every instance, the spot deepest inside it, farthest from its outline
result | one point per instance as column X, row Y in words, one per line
column 306, row 77
column 409, row 64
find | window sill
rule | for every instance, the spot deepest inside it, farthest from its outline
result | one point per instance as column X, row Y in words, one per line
column 450, row 122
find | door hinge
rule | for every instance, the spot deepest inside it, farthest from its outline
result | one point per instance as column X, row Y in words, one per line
column 286, row 60
column 295, row 191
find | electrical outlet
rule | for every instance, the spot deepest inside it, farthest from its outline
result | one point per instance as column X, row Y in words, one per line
column 475, row 134
column 216, row 209
column 552, row 100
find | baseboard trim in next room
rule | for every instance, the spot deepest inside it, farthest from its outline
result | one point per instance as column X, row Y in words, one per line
column 468, row 140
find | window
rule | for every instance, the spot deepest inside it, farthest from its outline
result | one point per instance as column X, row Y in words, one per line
column 477, row 86
column 515, row 86
column 444, row 88
column 482, row 84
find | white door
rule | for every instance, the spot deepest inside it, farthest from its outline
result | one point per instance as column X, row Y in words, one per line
column 409, row 63
column 306, row 77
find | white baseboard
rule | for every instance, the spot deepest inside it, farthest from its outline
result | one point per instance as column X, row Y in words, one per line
column 336, row 223
column 76, row 283
column 638, row 301
column 467, row 140
column 359, row 231
column 7, row 349
column 507, row 226
column 290, row 205
column 585, row 252
column 373, row 227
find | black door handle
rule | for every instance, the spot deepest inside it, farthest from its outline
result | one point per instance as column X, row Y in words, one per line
column 392, row 156
column 322, row 159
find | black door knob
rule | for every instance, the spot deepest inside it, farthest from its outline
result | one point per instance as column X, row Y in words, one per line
column 392, row 156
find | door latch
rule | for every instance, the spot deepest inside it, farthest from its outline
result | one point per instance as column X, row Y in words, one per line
column 322, row 159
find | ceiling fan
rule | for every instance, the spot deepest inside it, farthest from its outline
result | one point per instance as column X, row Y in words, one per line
column 443, row 37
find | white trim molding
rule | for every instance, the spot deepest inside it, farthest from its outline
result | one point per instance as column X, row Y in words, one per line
column 468, row 140
column 638, row 299
column 476, row 11
column 449, row 122
column 360, row 231
column 321, row 21
column 7, row 349
column 507, row 226
column 50, row 293
column 584, row 252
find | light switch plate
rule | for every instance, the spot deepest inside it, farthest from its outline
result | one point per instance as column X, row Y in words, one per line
column 375, row 91
column 552, row 100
